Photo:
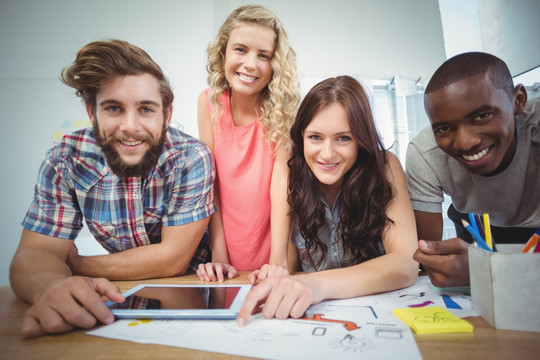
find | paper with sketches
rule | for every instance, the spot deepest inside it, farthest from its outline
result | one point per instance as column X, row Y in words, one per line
column 359, row 328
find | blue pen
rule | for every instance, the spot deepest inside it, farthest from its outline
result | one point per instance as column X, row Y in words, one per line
column 476, row 236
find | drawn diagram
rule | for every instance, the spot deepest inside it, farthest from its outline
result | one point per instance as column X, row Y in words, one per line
column 389, row 333
column 349, row 325
column 421, row 295
column 359, row 328
column 425, row 303
column 351, row 343
column 139, row 322
column 451, row 304
column 366, row 311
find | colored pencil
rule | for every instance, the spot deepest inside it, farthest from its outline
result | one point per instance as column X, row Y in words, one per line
column 476, row 236
column 472, row 222
column 480, row 225
column 487, row 231
column 532, row 241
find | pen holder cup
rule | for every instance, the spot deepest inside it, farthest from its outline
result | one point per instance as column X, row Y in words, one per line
column 505, row 287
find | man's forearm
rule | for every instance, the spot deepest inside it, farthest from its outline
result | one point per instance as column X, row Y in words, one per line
column 143, row 262
column 34, row 271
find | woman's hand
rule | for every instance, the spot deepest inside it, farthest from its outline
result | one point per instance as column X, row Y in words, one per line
column 267, row 271
column 216, row 271
column 283, row 297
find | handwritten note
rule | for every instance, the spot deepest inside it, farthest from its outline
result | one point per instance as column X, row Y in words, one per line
column 432, row 320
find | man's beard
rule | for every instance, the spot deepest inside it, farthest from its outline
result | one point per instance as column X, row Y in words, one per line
column 119, row 166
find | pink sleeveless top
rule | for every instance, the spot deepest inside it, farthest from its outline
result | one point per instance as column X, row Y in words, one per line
column 244, row 164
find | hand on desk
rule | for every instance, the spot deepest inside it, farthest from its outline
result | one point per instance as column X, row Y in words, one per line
column 267, row 271
column 446, row 262
column 283, row 297
column 74, row 302
column 215, row 271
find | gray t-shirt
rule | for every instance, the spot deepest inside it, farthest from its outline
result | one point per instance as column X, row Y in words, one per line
column 512, row 198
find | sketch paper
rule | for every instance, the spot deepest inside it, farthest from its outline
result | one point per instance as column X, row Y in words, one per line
column 359, row 328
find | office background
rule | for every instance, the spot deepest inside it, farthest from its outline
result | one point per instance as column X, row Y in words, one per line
column 392, row 46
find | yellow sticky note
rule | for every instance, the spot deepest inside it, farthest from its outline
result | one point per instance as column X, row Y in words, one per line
column 58, row 134
column 432, row 320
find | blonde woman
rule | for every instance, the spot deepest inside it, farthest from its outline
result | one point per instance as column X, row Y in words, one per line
column 244, row 117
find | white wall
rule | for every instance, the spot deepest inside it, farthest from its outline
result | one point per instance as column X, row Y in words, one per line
column 461, row 26
column 364, row 38
column 507, row 29
column 39, row 37
column 510, row 31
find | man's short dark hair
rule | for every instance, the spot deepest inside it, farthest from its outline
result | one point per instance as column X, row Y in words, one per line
column 469, row 64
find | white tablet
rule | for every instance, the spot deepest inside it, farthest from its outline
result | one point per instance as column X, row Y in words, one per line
column 157, row 301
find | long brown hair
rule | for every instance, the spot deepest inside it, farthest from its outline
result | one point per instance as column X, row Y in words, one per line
column 365, row 192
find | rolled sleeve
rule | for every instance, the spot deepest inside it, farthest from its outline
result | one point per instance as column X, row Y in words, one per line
column 193, row 193
column 54, row 210
column 425, row 189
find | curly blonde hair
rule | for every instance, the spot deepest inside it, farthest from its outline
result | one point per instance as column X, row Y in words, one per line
column 279, row 100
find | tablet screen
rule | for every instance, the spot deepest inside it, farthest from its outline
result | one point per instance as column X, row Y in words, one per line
column 179, row 298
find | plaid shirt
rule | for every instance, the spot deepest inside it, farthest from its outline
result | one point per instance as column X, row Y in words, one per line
column 74, row 182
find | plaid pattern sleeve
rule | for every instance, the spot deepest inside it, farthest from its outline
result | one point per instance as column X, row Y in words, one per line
column 122, row 213
column 54, row 210
column 192, row 197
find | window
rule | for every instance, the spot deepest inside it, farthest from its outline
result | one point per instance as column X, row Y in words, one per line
column 399, row 118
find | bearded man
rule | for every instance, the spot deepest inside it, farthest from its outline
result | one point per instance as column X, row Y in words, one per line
column 144, row 190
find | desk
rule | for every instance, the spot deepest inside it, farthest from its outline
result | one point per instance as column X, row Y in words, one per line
column 484, row 343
